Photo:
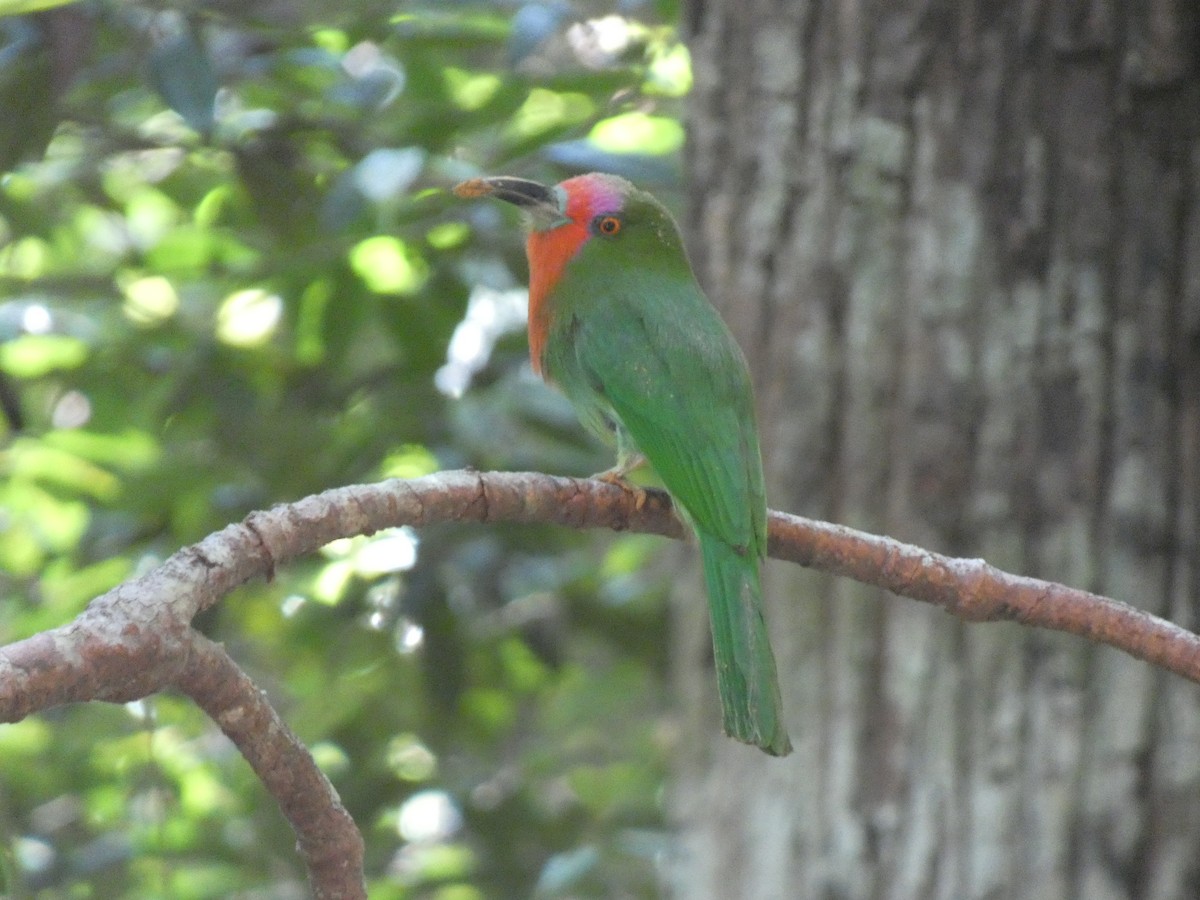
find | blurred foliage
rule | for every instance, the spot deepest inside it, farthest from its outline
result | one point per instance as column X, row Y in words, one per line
column 231, row 275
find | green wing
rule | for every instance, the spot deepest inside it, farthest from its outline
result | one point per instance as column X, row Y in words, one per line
column 674, row 376
column 678, row 385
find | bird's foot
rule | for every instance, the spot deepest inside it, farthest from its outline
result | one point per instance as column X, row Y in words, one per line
column 616, row 476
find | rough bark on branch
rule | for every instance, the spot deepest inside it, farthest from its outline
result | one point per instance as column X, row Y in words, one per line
column 327, row 839
column 137, row 639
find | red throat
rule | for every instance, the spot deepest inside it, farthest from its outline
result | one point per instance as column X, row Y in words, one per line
column 549, row 252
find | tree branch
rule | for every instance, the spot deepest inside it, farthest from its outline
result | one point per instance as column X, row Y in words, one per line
column 330, row 844
column 137, row 639
column 977, row 592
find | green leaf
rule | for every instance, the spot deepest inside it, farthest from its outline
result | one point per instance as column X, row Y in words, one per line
column 34, row 460
column 182, row 74
column 70, row 590
column 636, row 132
column 129, row 450
column 21, row 7
column 388, row 266
column 26, row 91
column 35, row 355
column 231, row 322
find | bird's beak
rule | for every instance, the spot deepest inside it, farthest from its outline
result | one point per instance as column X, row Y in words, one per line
column 544, row 205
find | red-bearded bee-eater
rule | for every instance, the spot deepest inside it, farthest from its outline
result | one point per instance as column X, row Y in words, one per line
column 619, row 324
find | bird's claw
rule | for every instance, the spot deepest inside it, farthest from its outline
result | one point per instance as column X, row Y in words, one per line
column 616, row 477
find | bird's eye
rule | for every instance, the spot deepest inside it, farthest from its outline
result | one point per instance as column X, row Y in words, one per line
column 608, row 225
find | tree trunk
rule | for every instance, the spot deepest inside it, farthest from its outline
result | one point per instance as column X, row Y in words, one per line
column 960, row 243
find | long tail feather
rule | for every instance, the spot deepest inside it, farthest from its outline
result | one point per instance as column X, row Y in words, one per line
column 746, row 676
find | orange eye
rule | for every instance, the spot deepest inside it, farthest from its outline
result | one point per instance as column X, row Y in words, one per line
column 608, row 225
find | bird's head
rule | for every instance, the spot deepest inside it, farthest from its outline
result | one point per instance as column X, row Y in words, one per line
column 598, row 217
column 574, row 202
column 594, row 210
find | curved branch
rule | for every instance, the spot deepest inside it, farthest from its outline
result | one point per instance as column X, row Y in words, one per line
column 330, row 844
column 132, row 640
column 136, row 639
column 977, row 592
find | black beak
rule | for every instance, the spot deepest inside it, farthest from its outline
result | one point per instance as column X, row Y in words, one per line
column 517, row 191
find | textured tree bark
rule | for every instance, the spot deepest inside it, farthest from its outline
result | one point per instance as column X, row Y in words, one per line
column 960, row 243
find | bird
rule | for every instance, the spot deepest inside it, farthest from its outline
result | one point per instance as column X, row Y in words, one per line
column 619, row 323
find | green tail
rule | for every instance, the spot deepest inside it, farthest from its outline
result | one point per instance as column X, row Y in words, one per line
column 745, row 665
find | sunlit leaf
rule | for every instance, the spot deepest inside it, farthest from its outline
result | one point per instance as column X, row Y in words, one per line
column 41, row 462
column 409, row 461
column 388, row 265
column 28, row 737
column 310, row 323
column 493, row 709
column 184, row 249
column 330, row 757
column 35, row 355
column 670, row 72
column 457, row 892
column 150, row 299
column 208, row 211
column 629, row 554
column 22, row 554
column 21, row 7
column 410, row 759
column 458, row 28
column 249, row 294
column 470, row 90
column 447, row 235
column 438, row 862
column 150, row 214
column 637, row 132
column 248, row 318
column 330, row 585
column 57, row 523
column 126, row 450
column 26, row 257
column 202, row 793
column 384, row 553
column 545, row 111
column 332, row 40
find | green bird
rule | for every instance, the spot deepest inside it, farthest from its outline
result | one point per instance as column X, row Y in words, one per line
column 619, row 324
